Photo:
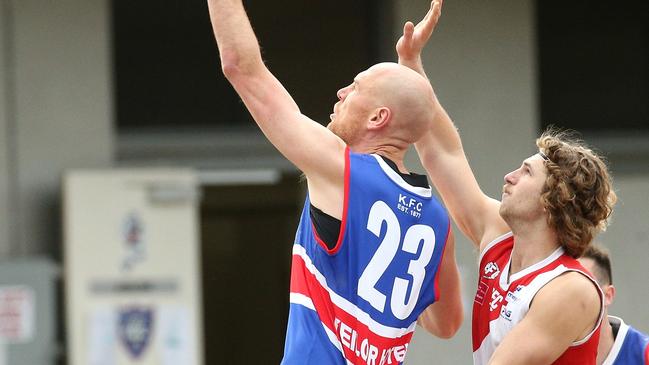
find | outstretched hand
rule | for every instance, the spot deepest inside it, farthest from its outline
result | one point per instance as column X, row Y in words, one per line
column 415, row 37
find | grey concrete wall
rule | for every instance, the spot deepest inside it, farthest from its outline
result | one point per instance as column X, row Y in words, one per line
column 6, row 158
column 628, row 240
column 59, row 86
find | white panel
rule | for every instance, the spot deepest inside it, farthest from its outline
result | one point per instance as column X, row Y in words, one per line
column 127, row 251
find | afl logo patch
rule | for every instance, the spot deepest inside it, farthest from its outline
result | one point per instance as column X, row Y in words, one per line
column 491, row 271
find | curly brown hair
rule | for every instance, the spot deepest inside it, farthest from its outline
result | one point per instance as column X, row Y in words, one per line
column 578, row 192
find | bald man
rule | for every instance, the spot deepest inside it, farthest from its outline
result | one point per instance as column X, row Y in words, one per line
column 373, row 254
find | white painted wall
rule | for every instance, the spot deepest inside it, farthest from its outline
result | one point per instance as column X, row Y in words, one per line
column 5, row 133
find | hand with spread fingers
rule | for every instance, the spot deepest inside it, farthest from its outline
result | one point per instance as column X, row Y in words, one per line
column 415, row 37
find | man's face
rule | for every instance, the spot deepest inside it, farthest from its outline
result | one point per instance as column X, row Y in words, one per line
column 352, row 109
column 522, row 191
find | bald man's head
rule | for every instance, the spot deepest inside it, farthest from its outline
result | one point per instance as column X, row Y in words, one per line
column 387, row 100
column 408, row 95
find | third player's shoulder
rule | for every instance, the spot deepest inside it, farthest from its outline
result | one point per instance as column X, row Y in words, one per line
column 642, row 337
column 635, row 344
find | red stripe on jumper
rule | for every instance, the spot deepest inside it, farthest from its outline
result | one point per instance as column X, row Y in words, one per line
column 360, row 344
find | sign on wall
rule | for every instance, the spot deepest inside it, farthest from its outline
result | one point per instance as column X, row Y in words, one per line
column 16, row 314
column 132, row 267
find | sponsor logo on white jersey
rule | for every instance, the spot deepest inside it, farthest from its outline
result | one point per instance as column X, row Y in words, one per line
column 511, row 295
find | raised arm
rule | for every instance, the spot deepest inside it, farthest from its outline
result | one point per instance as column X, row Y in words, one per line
column 441, row 151
column 311, row 147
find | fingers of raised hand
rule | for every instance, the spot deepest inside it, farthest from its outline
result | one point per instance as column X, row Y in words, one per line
column 408, row 30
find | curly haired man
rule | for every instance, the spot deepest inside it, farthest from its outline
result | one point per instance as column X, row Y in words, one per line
column 535, row 304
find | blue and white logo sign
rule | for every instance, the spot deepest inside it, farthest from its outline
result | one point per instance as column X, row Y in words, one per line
column 135, row 329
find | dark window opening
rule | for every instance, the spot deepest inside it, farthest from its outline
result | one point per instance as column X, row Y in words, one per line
column 594, row 65
column 167, row 69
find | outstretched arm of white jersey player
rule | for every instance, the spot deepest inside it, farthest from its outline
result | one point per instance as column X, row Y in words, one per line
column 441, row 151
column 311, row 147
column 564, row 311
column 444, row 317
column 442, row 155
column 415, row 37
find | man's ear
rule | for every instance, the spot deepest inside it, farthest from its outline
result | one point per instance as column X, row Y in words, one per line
column 379, row 119
column 609, row 294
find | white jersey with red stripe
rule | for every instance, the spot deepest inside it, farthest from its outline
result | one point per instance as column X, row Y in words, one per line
column 358, row 303
column 502, row 300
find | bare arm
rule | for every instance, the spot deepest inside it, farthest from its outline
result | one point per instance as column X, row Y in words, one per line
column 444, row 317
column 311, row 147
column 442, row 154
column 564, row 311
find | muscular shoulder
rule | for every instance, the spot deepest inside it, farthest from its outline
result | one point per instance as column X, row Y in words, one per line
column 572, row 299
column 572, row 285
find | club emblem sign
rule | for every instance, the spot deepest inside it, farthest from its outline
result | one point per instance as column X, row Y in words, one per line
column 135, row 329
